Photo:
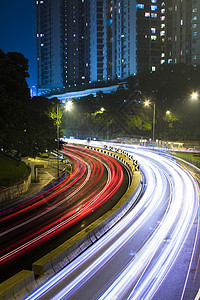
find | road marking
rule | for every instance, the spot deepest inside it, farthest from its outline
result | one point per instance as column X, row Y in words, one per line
column 198, row 295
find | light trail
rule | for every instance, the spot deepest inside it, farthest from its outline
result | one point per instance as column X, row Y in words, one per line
column 74, row 207
column 169, row 186
column 153, row 177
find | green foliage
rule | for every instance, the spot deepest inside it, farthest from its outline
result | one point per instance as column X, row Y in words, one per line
column 11, row 171
column 14, row 94
column 27, row 126
column 40, row 132
column 125, row 115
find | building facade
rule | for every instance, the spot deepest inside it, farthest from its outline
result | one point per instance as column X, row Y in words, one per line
column 148, row 35
column 80, row 42
column 181, row 32
column 75, row 43
column 49, row 45
column 123, row 39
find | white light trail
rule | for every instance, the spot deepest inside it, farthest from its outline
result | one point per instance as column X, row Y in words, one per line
column 144, row 274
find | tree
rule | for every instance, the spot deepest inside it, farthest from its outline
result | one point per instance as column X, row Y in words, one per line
column 27, row 126
column 41, row 130
column 14, row 95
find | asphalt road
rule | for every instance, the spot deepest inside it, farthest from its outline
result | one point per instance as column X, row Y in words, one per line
column 149, row 253
column 33, row 228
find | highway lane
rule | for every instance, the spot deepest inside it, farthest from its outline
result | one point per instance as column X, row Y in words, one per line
column 133, row 259
column 94, row 180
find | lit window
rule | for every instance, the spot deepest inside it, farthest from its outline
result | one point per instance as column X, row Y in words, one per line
column 162, row 18
column 153, row 68
column 162, row 10
column 194, row 33
column 153, row 15
column 194, row 10
column 154, row 7
column 140, row 6
column 162, row 54
column 153, row 1
column 194, row 18
column 194, row 26
column 162, row 26
column 162, row 61
column 162, row 33
column 181, row 22
column 153, row 30
column 147, row 14
column 194, row 57
column 153, row 37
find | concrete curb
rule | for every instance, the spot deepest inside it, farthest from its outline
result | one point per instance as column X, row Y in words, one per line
column 18, row 286
column 54, row 261
column 24, row 282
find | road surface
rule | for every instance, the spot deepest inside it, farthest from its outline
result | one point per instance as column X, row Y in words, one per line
column 135, row 258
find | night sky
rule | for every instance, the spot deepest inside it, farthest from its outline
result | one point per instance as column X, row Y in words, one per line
column 18, row 31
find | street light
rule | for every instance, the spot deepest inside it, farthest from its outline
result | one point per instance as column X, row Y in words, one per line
column 147, row 103
column 68, row 105
column 58, row 140
column 194, row 96
column 168, row 112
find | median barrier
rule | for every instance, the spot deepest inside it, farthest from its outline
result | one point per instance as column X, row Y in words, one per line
column 69, row 250
column 54, row 261
column 18, row 286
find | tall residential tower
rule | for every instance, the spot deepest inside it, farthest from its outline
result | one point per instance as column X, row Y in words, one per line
column 81, row 42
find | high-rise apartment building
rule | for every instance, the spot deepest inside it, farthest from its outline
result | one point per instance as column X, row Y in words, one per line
column 123, row 44
column 75, row 42
column 98, row 40
column 87, row 41
column 180, row 34
column 148, row 35
column 49, row 44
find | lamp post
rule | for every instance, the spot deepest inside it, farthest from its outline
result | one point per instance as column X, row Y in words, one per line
column 147, row 103
column 58, row 140
column 68, row 106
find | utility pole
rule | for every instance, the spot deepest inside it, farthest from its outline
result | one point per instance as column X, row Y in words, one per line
column 154, row 120
column 58, row 140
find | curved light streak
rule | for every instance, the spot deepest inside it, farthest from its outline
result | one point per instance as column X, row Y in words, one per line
column 77, row 212
column 156, row 256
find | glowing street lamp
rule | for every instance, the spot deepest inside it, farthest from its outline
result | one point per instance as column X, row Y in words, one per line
column 194, row 96
column 68, row 105
column 147, row 103
column 168, row 112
